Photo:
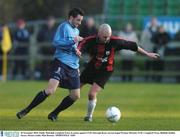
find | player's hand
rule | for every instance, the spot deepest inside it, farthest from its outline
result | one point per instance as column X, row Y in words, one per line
column 78, row 38
column 154, row 55
column 78, row 52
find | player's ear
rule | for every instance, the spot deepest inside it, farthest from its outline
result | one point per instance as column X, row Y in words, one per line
column 71, row 17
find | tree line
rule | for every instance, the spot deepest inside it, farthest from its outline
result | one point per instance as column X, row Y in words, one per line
column 11, row 10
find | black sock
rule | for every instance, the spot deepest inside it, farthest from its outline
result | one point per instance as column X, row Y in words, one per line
column 40, row 97
column 66, row 102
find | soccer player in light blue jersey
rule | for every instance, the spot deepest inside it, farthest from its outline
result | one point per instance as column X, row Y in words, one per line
column 65, row 66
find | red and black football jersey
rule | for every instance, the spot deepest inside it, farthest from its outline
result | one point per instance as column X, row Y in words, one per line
column 102, row 54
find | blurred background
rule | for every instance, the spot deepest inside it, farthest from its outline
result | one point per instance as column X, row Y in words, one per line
column 154, row 24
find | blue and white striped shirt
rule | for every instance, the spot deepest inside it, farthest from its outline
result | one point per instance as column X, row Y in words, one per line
column 65, row 45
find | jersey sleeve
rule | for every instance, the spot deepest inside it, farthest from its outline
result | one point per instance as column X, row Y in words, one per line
column 82, row 44
column 85, row 44
column 120, row 44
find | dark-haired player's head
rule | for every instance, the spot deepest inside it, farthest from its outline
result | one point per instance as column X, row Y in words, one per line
column 76, row 16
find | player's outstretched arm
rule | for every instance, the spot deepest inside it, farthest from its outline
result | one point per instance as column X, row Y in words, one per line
column 150, row 55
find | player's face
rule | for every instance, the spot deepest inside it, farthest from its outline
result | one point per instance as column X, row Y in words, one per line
column 104, row 37
column 77, row 20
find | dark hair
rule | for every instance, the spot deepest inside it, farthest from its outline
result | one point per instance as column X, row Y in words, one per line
column 75, row 12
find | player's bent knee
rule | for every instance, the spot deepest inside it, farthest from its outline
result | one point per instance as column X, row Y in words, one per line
column 78, row 97
column 50, row 91
column 75, row 94
column 75, row 97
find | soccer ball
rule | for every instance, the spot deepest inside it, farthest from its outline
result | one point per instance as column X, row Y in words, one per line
column 113, row 114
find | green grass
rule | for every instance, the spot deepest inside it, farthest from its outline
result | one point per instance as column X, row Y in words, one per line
column 143, row 107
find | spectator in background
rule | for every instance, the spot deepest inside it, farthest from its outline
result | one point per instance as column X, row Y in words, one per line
column 146, row 42
column 160, row 39
column 127, row 61
column 45, row 35
column 177, row 36
column 21, row 40
column 47, row 32
column 88, row 28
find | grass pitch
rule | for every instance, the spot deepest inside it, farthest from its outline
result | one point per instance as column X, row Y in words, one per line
column 143, row 107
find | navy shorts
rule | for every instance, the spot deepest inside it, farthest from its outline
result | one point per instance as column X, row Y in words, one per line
column 68, row 77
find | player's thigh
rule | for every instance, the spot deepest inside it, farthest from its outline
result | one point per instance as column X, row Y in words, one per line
column 52, row 86
column 95, row 88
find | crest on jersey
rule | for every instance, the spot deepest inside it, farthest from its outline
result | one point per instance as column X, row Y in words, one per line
column 107, row 52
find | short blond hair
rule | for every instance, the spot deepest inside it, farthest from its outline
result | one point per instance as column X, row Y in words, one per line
column 105, row 29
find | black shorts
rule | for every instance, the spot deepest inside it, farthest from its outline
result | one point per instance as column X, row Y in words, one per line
column 68, row 77
column 90, row 75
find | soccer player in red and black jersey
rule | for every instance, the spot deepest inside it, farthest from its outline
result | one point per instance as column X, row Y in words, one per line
column 102, row 48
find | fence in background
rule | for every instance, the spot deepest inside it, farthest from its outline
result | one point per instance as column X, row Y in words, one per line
column 36, row 59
